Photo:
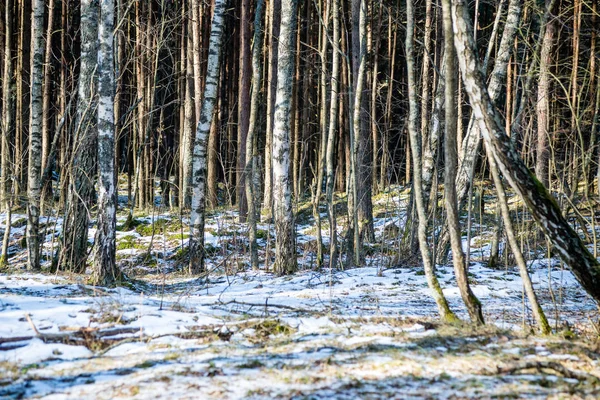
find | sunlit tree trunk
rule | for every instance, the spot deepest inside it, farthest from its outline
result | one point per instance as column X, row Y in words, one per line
column 451, row 162
column 199, row 159
column 285, row 246
column 105, row 270
column 251, row 141
column 415, row 141
column 540, row 203
column 73, row 252
column 35, row 138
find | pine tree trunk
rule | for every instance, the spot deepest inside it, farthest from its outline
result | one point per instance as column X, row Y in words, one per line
column 34, row 171
column 541, row 204
column 105, row 269
column 199, row 159
column 285, row 246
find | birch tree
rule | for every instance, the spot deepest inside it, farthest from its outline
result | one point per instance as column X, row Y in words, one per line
column 285, row 247
column 34, row 173
column 73, row 252
column 199, row 170
column 105, row 270
column 541, row 204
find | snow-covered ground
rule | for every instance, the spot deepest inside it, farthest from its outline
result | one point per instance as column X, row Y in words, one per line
column 366, row 332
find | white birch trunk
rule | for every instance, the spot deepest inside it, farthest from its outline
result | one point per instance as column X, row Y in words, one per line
column 199, row 159
column 285, row 248
column 105, row 270
column 35, row 138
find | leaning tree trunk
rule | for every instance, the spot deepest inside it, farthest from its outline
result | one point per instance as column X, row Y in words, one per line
column 443, row 307
column 73, row 251
column 458, row 257
column 34, row 171
column 105, row 270
column 541, row 204
column 285, row 246
column 251, row 140
column 199, row 170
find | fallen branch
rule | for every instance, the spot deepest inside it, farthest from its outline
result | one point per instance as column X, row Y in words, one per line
column 266, row 304
column 540, row 365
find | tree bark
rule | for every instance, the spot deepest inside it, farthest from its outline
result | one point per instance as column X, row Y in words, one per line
column 105, row 269
column 73, row 252
column 458, row 257
column 199, row 160
column 443, row 308
column 34, row 171
column 542, row 205
column 285, row 246
column 251, row 144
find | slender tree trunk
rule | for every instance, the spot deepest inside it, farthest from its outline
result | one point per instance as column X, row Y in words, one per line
column 323, row 137
column 542, row 205
column 274, row 27
column 543, row 107
column 73, row 252
column 188, row 129
column 451, row 162
column 199, row 159
column 34, row 173
column 333, row 115
column 443, row 308
column 285, row 246
column 7, row 109
column 244, row 105
column 471, row 143
column 105, row 269
column 252, row 138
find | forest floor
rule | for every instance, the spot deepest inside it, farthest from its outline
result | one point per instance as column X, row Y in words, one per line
column 367, row 332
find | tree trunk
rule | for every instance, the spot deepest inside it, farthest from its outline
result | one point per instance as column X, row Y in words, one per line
column 105, row 270
column 244, row 105
column 458, row 257
column 199, row 160
column 543, row 107
column 285, row 246
column 252, row 138
column 274, row 27
column 443, row 308
column 333, row 115
column 34, row 171
column 542, row 205
column 73, row 252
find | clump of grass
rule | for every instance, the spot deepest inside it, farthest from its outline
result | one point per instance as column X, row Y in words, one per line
column 129, row 242
column 159, row 226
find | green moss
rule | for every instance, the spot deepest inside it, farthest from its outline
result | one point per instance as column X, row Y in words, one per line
column 129, row 242
column 19, row 223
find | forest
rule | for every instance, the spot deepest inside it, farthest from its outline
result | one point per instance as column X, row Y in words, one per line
column 256, row 199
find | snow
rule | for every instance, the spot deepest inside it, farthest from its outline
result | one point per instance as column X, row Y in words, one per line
column 367, row 332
